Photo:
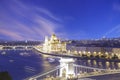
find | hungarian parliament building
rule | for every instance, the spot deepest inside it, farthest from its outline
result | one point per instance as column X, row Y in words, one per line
column 53, row 44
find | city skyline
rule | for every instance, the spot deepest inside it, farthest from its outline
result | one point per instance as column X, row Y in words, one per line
column 80, row 19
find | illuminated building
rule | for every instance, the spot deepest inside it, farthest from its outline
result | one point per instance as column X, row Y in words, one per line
column 53, row 44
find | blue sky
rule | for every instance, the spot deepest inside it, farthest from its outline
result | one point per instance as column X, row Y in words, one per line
column 69, row 19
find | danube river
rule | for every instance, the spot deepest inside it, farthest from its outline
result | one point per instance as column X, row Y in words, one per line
column 25, row 63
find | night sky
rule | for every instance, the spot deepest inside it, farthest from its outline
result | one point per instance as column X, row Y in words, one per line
column 69, row 19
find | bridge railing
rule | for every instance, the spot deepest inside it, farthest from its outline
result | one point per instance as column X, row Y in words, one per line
column 85, row 71
column 45, row 76
column 19, row 47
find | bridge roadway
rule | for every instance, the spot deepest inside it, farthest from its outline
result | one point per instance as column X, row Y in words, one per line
column 95, row 72
column 44, row 74
column 16, row 47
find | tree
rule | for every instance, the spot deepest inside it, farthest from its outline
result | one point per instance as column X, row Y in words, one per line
column 5, row 76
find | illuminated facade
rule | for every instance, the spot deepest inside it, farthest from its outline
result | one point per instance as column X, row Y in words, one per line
column 53, row 44
column 0, row 47
column 67, row 67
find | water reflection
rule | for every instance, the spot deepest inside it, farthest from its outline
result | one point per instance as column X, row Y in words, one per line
column 29, row 63
column 99, row 64
column 23, row 63
column 118, row 65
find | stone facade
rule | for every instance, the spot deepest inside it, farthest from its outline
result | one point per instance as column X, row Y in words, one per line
column 54, row 44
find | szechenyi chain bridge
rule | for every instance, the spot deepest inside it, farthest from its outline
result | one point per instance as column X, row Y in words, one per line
column 68, row 69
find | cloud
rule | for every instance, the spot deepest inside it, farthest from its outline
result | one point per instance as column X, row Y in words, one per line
column 115, row 32
column 48, row 13
column 20, row 21
column 116, row 7
column 10, row 34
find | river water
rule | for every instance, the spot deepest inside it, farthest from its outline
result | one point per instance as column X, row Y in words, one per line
column 25, row 63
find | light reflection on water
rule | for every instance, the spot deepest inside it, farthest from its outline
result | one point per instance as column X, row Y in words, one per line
column 102, row 65
column 99, row 64
column 23, row 63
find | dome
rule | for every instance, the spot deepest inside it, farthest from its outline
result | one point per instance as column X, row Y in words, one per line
column 53, row 35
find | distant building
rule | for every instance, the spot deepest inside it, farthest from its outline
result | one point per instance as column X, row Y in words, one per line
column 0, row 47
column 103, row 50
column 116, row 50
column 53, row 44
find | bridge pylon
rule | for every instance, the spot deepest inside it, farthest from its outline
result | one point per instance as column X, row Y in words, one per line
column 67, row 69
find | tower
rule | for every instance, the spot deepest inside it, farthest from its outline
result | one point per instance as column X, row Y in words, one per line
column 46, row 44
column 67, row 69
column 46, row 39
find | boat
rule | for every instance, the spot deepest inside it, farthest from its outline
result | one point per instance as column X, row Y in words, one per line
column 11, row 60
column 3, row 53
column 24, row 54
column 51, row 59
